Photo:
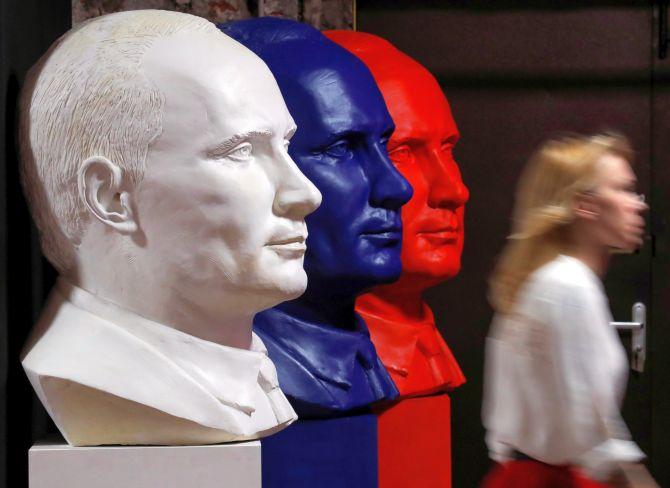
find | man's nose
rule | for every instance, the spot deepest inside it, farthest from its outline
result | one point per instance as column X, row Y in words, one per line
column 296, row 196
column 447, row 189
column 388, row 188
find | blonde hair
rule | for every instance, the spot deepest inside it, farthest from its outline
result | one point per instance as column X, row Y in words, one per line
column 559, row 171
column 87, row 96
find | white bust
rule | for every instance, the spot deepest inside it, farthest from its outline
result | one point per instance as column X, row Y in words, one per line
column 154, row 161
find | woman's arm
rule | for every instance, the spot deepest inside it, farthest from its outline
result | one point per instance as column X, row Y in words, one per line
column 587, row 356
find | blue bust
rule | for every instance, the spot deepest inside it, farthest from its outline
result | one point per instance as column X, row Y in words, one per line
column 326, row 362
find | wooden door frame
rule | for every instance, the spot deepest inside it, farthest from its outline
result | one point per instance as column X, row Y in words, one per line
column 659, row 355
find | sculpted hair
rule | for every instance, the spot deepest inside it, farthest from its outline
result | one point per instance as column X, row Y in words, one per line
column 558, row 172
column 385, row 61
column 275, row 41
column 87, row 96
column 267, row 35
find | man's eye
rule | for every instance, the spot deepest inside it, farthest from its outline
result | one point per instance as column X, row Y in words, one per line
column 447, row 146
column 338, row 150
column 240, row 153
column 401, row 154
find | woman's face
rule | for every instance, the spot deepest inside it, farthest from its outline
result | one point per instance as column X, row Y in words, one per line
column 619, row 220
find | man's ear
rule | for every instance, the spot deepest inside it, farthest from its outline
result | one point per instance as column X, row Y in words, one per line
column 587, row 206
column 101, row 187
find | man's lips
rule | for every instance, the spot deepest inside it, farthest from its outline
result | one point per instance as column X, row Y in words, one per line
column 443, row 235
column 387, row 234
column 291, row 245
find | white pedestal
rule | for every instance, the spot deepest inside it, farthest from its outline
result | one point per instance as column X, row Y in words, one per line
column 57, row 465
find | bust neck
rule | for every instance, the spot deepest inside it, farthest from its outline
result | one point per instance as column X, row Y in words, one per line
column 151, row 292
column 328, row 311
column 396, row 303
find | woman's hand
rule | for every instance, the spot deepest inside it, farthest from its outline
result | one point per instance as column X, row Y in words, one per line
column 632, row 475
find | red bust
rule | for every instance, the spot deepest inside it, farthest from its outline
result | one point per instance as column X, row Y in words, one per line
column 401, row 324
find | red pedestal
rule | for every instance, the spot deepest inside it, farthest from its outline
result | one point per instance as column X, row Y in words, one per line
column 414, row 443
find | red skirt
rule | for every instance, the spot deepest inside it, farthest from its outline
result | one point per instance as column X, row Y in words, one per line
column 534, row 474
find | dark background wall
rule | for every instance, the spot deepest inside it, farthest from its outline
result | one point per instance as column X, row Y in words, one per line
column 517, row 73
column 27, row 28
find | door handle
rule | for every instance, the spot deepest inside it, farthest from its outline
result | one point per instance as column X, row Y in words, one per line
column 638, row 327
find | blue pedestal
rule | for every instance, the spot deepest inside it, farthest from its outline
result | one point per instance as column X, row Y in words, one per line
column 332, row 453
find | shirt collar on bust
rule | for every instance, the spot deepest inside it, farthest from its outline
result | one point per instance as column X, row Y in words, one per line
column 229, row 374
column 398, row 342
column 328, row 353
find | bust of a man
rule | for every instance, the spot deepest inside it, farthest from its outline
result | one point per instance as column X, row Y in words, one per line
column 154, row 161
column 326, row 362
column 401, row 323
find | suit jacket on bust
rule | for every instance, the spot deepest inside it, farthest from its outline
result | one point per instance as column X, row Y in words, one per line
column 109, row 376
column 324, row 371
column 414, row 353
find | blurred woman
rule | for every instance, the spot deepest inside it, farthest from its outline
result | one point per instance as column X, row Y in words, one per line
column 555, row 369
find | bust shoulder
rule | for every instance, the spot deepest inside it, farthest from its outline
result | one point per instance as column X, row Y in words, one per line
column 90, row 373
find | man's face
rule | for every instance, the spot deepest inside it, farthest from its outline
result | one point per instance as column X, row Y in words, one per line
column 422, row 149
column 222, row 204
column 355, row 236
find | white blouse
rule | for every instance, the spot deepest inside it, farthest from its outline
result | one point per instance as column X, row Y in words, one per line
column 556, row 373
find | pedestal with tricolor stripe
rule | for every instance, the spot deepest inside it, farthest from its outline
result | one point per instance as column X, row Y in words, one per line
column 406, row 444
column 325, row 453
column 414, row 443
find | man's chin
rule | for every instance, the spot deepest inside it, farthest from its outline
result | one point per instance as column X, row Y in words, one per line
column 384, row 271
column 285, row 287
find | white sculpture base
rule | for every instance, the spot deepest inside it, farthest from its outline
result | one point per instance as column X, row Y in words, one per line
column 54, row 464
